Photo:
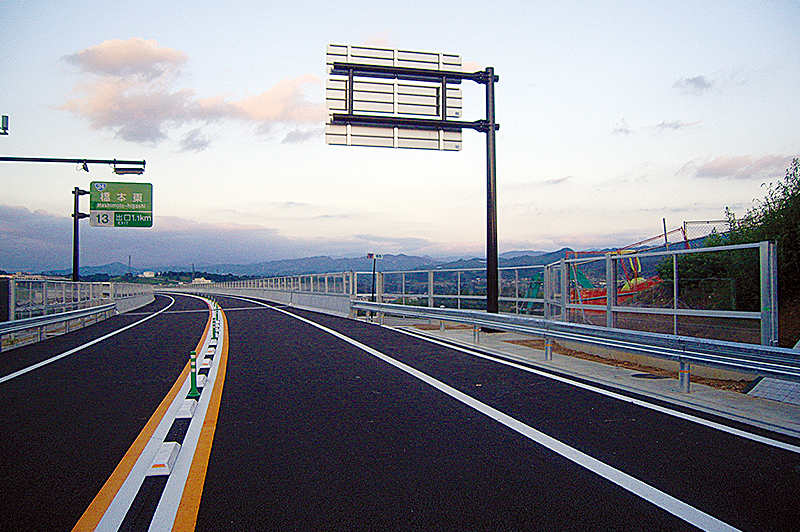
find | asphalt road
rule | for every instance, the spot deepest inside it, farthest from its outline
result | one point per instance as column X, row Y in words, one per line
column 315, row 433
column 359, row 427
column 66, row 425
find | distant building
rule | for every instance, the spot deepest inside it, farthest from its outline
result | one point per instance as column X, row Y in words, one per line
column 147, row 274
column 201, row 280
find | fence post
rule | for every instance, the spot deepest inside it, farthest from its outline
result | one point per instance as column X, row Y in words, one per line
column 768, row 258
column 7, row 299
column 564, row 289
column 430, row 288
column 458, row 288
column 546, row 291
column 611, row 290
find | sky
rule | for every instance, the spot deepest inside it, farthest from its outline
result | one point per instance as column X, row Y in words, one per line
column 614, row 116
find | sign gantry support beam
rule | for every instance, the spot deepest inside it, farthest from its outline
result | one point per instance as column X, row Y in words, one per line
column 485, row 77
column 127, row 167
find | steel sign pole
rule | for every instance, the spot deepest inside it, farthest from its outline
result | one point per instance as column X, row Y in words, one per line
column 492, row 281
column 76, row 215
column 441, row 123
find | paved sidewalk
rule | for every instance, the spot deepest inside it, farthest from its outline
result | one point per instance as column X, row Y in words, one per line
column 776, row 416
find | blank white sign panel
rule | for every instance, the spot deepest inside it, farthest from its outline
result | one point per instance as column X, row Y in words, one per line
column 391, row 97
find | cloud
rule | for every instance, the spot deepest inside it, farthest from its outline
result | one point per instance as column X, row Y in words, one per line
column 130, row 89
column 195, row 141
column 380, row 40
column 38, row 241
column 741, row 167
column 558, row 180
column 285, row 102
column 621, row 128
column 696, row 85
column 135, row 56
column 299, row 135
column 675, row 125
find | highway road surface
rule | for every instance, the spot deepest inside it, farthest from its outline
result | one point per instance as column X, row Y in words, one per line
column 312, row 422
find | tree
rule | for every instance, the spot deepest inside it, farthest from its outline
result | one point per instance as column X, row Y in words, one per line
column 775, row 218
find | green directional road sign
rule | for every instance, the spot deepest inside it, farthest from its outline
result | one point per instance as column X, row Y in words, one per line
column 115, row 204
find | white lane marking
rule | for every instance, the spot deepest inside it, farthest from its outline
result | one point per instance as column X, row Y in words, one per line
column 167, row 509
column 81, row 347
column 667, row 502
column 662, row 409
column 118, row 508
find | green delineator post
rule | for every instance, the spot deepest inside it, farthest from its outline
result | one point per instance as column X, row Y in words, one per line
column 193, row 393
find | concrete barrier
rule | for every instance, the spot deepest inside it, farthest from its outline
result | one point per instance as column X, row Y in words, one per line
column 132, row 303
column 334, row 304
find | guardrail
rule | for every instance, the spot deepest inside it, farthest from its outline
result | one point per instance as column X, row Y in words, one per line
column 754, row 359
column 38, row 328
column 26, row 298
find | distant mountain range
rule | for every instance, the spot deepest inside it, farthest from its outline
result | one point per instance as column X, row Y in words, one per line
column 325, row 264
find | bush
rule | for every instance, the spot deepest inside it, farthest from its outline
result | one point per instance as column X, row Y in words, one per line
column 775, row 218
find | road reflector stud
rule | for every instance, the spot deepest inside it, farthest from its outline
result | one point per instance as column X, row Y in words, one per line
column 164, row 459
column 201, row 380
column 193, row 392
column 206, row 364
column 186, row 411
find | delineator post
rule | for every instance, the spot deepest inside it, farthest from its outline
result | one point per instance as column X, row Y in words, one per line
column 193, row 392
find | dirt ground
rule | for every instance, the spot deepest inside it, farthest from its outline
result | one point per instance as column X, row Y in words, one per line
column 735, row 386
column 537, row 343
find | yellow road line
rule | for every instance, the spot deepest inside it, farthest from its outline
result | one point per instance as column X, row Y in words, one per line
column 186, row 518
column 97, row 508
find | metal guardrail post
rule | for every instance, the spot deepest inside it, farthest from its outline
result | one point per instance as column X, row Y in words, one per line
column 684, row 376
column 768, row 259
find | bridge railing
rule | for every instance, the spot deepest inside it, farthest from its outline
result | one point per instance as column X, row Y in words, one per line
column 724, row 292
column 33, row 309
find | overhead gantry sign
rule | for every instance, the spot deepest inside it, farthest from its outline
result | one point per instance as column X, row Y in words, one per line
column 411, row 100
